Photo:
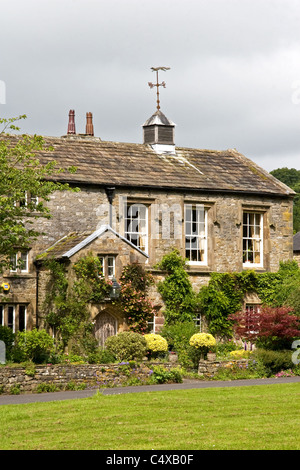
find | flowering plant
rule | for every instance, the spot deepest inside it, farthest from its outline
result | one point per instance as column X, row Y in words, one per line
column 202, row 340
column 201, row 343
column 156, row 343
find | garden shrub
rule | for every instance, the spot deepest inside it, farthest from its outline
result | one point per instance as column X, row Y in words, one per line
column 35, row 345
column 160, row 375
column 8, row 337
column 200, row 344
column 224, row 348
column 127, row 345
column 274, row 361
column 101, row 356
column 240, row 354
column 178, row 335
column 156, row 345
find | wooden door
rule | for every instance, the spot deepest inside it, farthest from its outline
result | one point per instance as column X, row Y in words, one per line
column 105, row 326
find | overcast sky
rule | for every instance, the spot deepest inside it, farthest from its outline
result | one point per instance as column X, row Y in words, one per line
column 234, row 78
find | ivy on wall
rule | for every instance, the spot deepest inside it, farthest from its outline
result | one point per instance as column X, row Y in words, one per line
column 176, row 290
column 134, row 302
column 66, row 304
column 225, row 293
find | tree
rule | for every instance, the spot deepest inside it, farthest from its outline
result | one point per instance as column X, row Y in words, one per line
column 291, row 177
column 270, row 327
column 25, row 186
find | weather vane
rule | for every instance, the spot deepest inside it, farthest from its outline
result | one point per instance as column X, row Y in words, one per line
column 151, row 85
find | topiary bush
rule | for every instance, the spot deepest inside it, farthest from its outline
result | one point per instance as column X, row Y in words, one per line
column 127, row 346
column 156, row 345
column 201, row 343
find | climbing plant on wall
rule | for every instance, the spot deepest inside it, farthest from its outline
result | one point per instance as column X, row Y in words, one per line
column 66, row 304
column 176, row 290
column 225, row 293
column 137, row 308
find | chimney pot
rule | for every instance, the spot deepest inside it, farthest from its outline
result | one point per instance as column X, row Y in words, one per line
column 71, row 125
column 89, row 130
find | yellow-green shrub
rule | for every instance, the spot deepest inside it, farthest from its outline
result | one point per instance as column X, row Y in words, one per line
column 202, row 340
column 240, row 354
column 156, row 343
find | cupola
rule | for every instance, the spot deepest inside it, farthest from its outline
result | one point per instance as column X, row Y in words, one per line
column 158, row 129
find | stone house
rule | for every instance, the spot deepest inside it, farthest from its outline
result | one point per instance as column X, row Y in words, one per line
column 137, row 202
column 296, row 247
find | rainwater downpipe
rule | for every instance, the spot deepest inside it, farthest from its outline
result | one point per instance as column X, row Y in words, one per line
column 110, row 195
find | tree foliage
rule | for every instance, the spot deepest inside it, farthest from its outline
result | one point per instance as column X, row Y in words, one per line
column 291, row 177
column 225, row 292
column 25, row 186
column 272, row 327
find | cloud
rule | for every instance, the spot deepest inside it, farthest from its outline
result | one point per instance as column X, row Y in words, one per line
column 234, row 78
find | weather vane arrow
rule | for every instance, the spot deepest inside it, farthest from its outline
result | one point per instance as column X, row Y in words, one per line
column 157, row 84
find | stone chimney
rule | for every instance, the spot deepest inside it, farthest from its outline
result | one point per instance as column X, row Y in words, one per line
column 71, row 125
column 89, row 129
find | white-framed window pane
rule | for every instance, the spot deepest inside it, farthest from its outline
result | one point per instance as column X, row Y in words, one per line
column 136, row 225
column 13, row 261
column 111, row 266
column 252, row 238
column 24, row 261
column 11, row 317
column 195, row 233
column 34, row 200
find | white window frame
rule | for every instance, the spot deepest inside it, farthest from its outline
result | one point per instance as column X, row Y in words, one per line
column 130, row 221
column 252, row 239
column 15, row 258
column 106, row 266
column 201, row 238
column 113, row 266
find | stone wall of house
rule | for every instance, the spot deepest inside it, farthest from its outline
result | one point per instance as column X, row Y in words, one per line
column 88, row 209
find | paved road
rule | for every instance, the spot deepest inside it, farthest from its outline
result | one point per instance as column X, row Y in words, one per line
column 186, row 385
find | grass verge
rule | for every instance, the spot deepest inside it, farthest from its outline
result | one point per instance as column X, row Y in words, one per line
column 264, row 417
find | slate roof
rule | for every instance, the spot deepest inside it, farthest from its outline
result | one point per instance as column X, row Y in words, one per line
column 296, row 242
column 138, row 165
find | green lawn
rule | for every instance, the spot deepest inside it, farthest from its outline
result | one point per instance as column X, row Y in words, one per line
column 254, row 417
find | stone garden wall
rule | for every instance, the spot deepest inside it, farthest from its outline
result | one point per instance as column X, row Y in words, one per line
column 47, row 378
column 66, row 377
